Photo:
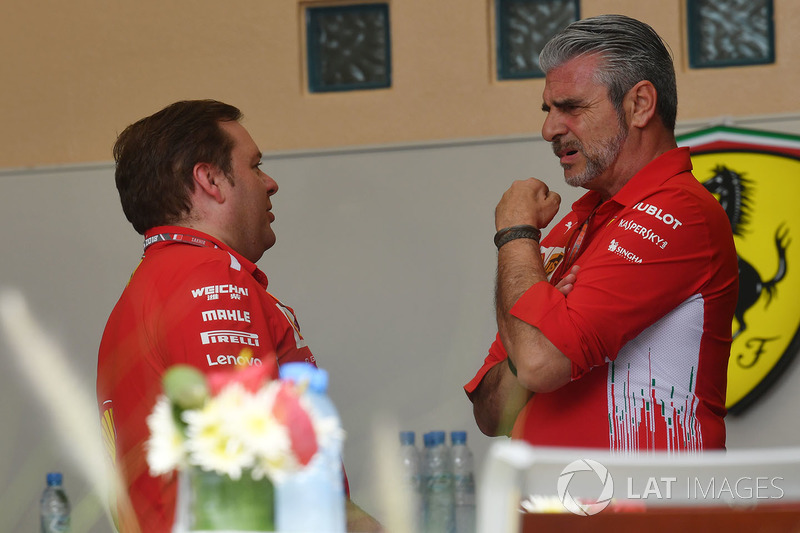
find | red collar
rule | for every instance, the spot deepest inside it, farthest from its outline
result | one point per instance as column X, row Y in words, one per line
column 649, row 178
column 161, row 236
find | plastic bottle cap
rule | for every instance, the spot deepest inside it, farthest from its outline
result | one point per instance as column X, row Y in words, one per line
column 319, row 381
column 458, row 437
column 317, row 378
column 438, row 437
column 54, row 478
column 296, row 371
column 407, row 437
column 429, row 440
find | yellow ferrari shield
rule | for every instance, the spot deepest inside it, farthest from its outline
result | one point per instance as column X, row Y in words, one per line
column 756, row 177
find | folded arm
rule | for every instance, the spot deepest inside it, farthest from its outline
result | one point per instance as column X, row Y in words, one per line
column 499, row 397
column 498, row 400
column 541, row 367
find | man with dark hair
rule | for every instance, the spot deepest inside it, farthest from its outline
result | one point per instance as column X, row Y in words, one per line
column 614, row 331
column 190, row 182
column 156, row 157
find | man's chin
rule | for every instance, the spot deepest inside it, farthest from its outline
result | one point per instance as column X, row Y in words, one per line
column 577, row 180
column 571, row 178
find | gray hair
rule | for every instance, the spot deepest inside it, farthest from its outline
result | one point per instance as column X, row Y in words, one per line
column 631, row 52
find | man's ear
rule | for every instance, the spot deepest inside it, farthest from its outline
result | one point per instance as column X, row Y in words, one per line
column 207, row 178
column 640, row 103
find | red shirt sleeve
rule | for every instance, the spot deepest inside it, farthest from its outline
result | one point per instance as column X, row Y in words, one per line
column 497, row 354
column 542, row 304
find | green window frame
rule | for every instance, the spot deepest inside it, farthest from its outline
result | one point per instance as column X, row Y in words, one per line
column 348, row 47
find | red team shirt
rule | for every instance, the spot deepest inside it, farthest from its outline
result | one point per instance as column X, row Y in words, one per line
column 192, row 300
column 647, row 326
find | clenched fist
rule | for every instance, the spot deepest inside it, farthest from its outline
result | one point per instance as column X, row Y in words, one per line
column 527, row 202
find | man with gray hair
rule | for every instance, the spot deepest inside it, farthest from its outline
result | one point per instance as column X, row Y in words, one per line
column 614, row 331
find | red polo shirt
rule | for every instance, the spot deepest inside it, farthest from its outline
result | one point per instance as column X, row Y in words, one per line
column 648, row 323
column 191, row 300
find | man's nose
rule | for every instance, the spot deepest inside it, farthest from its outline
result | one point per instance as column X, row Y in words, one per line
column 272, row 185
column 552, row 127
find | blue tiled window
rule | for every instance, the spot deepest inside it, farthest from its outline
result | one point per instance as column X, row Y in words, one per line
column 523, row 28
column 348, row 47
column 724, row 33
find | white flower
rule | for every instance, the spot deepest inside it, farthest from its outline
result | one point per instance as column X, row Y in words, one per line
column 211, row 438
column 165, row 447
column 267, row 437
column 237, row 431
column 258, row 427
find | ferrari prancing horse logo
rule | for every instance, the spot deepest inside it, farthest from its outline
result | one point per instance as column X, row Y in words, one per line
column 756, row 178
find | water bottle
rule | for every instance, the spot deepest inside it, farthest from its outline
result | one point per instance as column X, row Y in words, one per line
column 439, row 503
column 463, row 482
column 410, row 464
column 313, row 499
column 54, row 506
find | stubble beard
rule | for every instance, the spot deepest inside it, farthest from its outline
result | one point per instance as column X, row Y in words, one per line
column 599, row 156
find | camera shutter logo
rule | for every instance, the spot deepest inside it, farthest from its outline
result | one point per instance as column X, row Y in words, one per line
column 585, row 509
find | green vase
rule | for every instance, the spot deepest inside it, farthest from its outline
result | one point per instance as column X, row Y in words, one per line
column 218, row 503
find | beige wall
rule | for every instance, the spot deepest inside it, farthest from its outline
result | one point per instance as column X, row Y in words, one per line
column 74, row 74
